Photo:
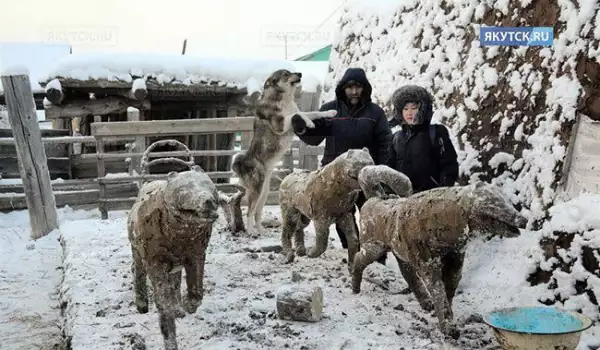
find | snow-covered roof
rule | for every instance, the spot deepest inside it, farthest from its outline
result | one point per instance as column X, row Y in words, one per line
column 35, row 57
column 171, row 69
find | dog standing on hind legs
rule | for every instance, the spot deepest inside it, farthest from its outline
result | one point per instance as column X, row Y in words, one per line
column 273, row 136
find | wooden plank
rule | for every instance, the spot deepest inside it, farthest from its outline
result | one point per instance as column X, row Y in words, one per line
column 151, row 177
column 45, row 132
column 40, row 200
column 85, row 168
column 54, row 140
column 173, row 127
column 70, row 198
column 246, row 139
column 227, row 142
column 101, row 173
column 166, row 88
column 126, row 203
column 67, row 185
column 52, row 150
column 582, row 175
column 58, row 167
column 116, row 198
column 212, row 142
column 137, row 147
column 293, row 152
column 97, row 107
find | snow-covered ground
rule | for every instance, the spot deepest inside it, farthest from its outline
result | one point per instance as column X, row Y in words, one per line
column 238, row 310
column 30, row 273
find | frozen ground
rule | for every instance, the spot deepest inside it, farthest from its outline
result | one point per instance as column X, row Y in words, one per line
column 29, row 275
column 238, row 307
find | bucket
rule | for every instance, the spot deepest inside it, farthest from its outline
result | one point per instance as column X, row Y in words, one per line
column 537, row 328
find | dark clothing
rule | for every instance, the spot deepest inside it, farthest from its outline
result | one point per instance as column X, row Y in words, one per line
column 354, row 127
column 359, row 203
column 427, row 164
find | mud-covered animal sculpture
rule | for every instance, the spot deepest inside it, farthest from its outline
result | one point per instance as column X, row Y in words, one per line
column 325, row 196
column 273, row 134
column 428, row 232
column 169, row 228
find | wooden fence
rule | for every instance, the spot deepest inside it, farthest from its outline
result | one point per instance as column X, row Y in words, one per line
column 117, row 191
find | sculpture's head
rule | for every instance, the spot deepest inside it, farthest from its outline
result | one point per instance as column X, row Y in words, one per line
column 192, row 196
column 492, row 212
column 353, row 161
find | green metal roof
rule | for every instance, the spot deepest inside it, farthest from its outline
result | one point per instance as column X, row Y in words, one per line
column 319, row 55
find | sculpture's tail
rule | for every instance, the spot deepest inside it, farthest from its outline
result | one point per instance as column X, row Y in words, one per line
column 371, row 177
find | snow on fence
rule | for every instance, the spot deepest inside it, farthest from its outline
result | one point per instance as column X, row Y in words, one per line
column 117, row 191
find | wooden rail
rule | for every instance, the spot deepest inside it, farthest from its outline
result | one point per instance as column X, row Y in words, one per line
column 113, row 192
column 173, row 127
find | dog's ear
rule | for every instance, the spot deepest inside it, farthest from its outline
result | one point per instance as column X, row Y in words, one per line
column 365, row 149
column 171, row 175
column 197, row 168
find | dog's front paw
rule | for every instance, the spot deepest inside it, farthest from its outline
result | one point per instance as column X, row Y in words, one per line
column 331, row 113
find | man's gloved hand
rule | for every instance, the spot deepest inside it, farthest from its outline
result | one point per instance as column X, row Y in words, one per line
column 298, row 124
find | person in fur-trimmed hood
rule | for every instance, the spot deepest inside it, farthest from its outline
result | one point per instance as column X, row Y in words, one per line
column 421, row 150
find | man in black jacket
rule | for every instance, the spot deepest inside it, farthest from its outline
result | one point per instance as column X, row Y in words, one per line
column 359, row 123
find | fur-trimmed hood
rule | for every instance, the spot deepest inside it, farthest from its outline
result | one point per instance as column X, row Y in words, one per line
column 416, row 94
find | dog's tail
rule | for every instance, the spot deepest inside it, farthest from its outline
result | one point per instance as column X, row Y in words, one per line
column 371, row 177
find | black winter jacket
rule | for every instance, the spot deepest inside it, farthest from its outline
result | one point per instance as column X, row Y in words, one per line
column 428, row 164
column 365, row 126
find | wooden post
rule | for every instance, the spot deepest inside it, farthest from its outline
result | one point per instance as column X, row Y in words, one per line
column 32, row 156
column 246, row 139
column 212, row 142
column 101, row 173
column 139, row 144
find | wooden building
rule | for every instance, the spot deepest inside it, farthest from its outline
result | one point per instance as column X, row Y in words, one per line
column 164, row 87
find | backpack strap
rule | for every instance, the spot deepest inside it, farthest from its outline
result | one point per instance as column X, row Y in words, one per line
column 432, row 134
column 436, row 142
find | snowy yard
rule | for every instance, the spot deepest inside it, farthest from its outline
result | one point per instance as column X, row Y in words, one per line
column 238, row 310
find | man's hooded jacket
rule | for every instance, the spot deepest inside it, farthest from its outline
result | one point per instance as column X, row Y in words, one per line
column 365, row 125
